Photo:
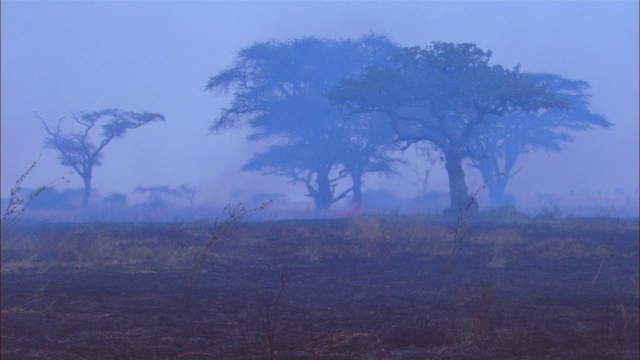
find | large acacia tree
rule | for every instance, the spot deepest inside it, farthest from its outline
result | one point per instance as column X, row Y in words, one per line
column 280, row 91
column 79, row 151
column 443, row 93
column 501, row 141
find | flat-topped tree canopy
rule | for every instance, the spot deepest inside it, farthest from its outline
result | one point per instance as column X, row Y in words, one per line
column 500, row 141
column 443, row 93
column 280, row 92
column 78, row 150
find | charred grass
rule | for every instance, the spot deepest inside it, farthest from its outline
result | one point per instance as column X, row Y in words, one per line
column 359, row 288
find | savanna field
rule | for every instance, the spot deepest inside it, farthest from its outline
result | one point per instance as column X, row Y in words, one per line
column 503, row 286
column 425, row 180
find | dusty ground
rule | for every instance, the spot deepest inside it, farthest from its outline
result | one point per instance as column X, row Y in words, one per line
column 373, row 288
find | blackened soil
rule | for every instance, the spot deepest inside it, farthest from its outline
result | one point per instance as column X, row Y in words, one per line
column 381, row 306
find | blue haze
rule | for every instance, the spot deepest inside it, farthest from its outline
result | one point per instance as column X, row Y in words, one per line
column 59, row 57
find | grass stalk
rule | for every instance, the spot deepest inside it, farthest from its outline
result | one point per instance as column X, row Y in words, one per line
column 223, row 224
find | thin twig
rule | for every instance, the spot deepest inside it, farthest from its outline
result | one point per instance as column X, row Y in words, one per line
column 611, row 237
column 231, row 216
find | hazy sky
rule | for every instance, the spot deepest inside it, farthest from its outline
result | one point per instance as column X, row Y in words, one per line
column 62, row 57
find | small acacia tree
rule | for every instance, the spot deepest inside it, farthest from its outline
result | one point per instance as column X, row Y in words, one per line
column 292, row 160
column 501, row 141
column 78, row 151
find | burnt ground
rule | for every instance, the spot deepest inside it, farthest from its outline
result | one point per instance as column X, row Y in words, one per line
column 351, row 289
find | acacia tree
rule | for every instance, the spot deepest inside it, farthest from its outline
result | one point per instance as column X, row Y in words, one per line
column 443, row 93
column 78, row 151
column 292, row 160
column 425, row 157
column 364, row 149
column 367, row 147
column 500, row 141
column 280, row 91
column 159, row 196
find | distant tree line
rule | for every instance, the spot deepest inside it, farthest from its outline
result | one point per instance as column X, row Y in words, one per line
column 336, row 109
column 331, row 110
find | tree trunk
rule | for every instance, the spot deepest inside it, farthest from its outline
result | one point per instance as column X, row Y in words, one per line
column 87, row 191
column 357, row 189
column 495, row 180
column 458, row 191
column 496, row 189
column 324, row 197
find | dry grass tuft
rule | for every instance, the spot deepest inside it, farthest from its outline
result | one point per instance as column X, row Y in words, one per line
column 561, row 248
column 369, row 236
column 82, row 247
column 429, row 240
column 504, row 245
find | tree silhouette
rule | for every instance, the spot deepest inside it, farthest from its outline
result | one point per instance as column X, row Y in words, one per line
column 292, row 160
column 280, row 91
column 78, row 151
column 500, row 141
column 367, row 148
column 443, row 94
